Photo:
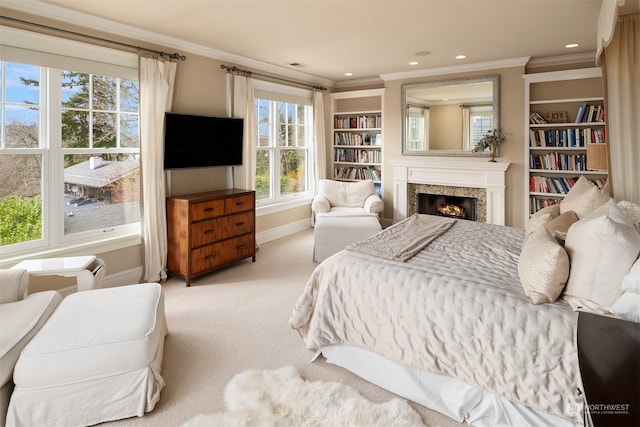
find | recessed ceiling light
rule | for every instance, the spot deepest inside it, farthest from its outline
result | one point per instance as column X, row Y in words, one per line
column 413, row 63
column 461, row 56
column 571, row 45
column 348, row 74
column 422, row 53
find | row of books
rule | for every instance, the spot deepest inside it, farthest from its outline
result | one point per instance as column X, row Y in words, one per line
column 536, row 118
column 589, row 113
column 566, row 137
column 535, row 203
column 358, row 122
column 356, row 156
column 558, row 161
column 358, row 173
column 351, row 138
column 543, row 184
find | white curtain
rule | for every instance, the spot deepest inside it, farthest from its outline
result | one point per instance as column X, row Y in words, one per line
column 466, row 120
column 319, row 136
column 243, row 106
column 157, row 78
column 620, row 60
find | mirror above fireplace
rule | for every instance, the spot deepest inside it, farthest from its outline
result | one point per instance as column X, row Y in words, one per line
column 448, row 117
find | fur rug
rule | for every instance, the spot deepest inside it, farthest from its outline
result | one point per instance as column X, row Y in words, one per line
column 282, row 398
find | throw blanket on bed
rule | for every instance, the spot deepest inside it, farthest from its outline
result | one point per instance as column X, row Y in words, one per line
column 456, row 308
column 403, row 240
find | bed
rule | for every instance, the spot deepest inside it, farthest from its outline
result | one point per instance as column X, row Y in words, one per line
column 449, row 327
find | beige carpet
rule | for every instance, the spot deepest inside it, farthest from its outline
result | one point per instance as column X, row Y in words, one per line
column 236, row 319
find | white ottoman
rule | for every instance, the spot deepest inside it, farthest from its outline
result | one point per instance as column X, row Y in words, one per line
column 98, row 358
column 333, row 233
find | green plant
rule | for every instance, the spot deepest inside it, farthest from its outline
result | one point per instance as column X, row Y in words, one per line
column 20, row 219
column 491, row 140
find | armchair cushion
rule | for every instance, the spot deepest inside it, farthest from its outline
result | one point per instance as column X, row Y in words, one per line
column 338, row 194
column 13, row 285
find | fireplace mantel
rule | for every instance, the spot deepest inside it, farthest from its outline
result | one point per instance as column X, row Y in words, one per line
column 454, row 173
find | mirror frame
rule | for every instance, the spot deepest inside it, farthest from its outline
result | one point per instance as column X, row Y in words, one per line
column 494, row 78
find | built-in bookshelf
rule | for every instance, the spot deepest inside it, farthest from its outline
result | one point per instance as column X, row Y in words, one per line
column 357, row 135
column 565, row 118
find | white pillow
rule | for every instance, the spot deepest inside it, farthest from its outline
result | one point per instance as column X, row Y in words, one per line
column 602, row 247
column 541, row 218
column 628, row 307
column 632, row 211
column 543, row 267
column 583, row 198
column 631, row 281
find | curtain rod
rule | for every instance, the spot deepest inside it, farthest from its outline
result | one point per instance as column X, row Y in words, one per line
column 250, row 73
column 174, row 55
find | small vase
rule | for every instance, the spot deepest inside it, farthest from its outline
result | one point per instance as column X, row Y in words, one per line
column 493, row 153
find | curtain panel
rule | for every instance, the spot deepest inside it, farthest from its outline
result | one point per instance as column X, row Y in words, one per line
column 621, row 69
column 157, row 77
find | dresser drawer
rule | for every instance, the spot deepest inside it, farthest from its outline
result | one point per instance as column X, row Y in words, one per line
column 208, row 209
column 240, row 203
column 217, row 254
column 211, row 230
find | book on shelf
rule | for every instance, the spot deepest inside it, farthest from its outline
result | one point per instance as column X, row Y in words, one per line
column 567, row 138
column 589, row 113
column 536, row 118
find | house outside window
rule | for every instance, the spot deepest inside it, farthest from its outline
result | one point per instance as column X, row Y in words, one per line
column 69, row 150
column 284, row 145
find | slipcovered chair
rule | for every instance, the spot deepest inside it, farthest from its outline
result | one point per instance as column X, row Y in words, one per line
column 345, row 212
column 21, row 316
column 338, row 198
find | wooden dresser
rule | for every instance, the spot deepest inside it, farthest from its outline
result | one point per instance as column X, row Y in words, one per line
column 207, row 231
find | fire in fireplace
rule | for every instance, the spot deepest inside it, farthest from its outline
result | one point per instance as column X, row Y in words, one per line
column 451, row 206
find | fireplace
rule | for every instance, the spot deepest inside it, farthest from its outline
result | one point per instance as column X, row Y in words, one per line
column 444, row 205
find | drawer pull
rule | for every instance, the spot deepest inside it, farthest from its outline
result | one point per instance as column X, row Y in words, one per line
column 238, row 224
column 239, row 247
column 239, row 203
column 208, row 231
column 208, row 257
column 208, row 209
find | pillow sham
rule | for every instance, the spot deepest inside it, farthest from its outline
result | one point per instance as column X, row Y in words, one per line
column 632, row 211
column 543, row 267
column 627, row 306
column 583, row 198
column 559, row 226
column 631, row 281
column 602, row 247
column 542, row 217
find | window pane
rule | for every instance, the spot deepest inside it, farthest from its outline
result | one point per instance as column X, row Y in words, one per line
column 21, row 127
column 75, row 89
column 292, row 171
column 100, row 191
column 22, row 83
column 263, row 176
column 75, row 129
column 105, row 93
column 20, row 198
column 129, row 96
column 105, row 130
column 129, row 131
column 283, row 132
column 263, row 118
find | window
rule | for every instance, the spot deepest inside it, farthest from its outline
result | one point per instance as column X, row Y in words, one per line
column 284, row 155
column 69, row 151
column 418, row 128
column 480, row 122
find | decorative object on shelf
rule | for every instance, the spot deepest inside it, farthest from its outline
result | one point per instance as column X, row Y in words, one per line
column 557, row 117
column 491, row 140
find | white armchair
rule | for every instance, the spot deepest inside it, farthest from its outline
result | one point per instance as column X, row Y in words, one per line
column 21, row 316
column 338, row 198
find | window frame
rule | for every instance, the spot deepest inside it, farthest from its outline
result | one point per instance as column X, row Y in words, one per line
column 46, row 52
column 275, row 93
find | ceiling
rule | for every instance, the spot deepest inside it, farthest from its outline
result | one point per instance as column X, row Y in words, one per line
column 330, row 38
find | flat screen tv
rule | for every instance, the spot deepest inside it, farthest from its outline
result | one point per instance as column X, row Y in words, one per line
column 193, row 141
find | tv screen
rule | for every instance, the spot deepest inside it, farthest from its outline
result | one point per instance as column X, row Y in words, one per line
column 192, row 141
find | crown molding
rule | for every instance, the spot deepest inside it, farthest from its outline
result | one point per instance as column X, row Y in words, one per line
column 550, row 61
column 45, row 10
column 341, row 84
column 475, row 66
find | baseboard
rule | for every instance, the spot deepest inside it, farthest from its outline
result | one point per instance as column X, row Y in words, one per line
column 282, row 231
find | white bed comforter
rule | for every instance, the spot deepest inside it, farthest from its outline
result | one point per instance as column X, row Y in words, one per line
column 457, row 308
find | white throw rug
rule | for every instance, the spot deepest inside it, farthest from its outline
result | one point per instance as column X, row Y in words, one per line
column 282, row 398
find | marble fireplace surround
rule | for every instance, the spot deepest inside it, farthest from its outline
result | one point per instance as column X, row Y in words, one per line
column 472, row 178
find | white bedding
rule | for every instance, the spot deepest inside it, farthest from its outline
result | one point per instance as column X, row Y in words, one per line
column 457, row 309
